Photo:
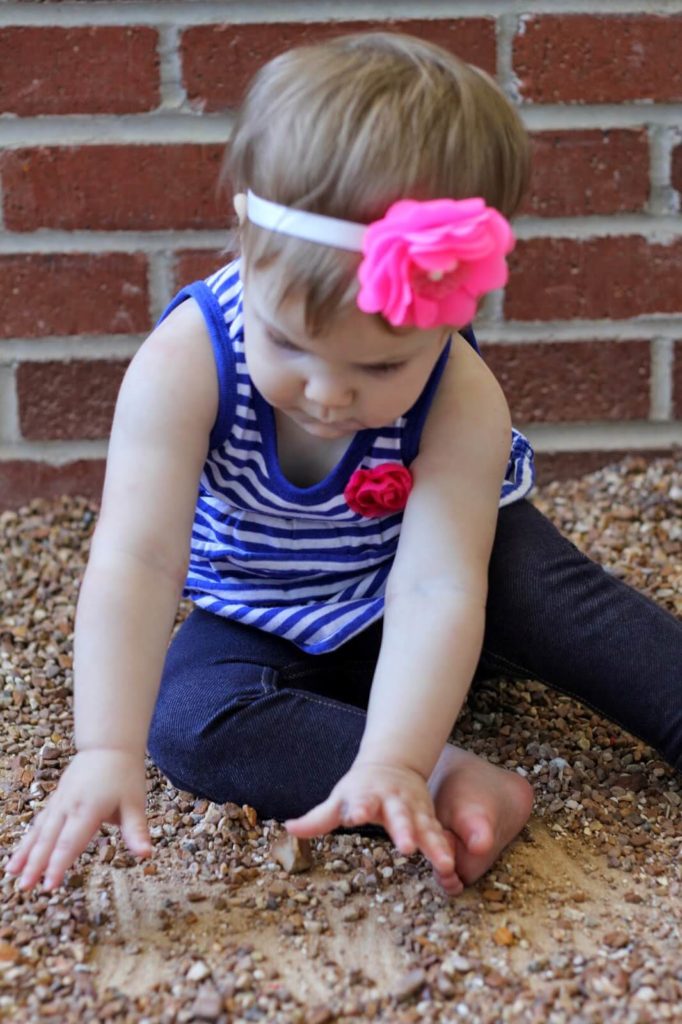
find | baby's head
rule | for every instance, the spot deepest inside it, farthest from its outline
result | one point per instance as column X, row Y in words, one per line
column 348, row 127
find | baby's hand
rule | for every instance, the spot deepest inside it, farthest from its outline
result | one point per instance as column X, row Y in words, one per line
column 97, row 786
column 392, row 796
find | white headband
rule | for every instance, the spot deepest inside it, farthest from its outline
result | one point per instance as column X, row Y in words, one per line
column 424, row 263
column 312, row 227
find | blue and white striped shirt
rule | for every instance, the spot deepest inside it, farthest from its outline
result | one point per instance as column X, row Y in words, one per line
column 294, row 561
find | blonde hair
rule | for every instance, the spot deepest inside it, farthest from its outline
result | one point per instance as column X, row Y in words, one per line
column 349, row 126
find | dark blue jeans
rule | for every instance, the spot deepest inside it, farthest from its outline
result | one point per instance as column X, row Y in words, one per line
column 247, row 717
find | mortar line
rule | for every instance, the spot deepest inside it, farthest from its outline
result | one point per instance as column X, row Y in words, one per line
column 559, row 437
column 166, row 125
column 57, row 453
column 661, row 380
column 662, row 141
column 487, row 333
column 506, row 29
column 81, row 348
column 517, row 332
column 663, row 230
column 202, row 12
column 176, row 122
column 635, row 434
column 9, row 405
column 173, row 94
column 573, row 117
column 161, row 287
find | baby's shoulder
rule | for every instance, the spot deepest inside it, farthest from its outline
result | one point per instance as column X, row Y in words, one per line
column 183, row 335
column 464, row 369
column 468, row 400
column 178, row 357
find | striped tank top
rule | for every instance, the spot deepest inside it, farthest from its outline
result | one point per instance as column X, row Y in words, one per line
column 295, row 561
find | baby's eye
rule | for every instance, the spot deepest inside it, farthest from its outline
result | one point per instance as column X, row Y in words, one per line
column 281, row 342
column 383, row 368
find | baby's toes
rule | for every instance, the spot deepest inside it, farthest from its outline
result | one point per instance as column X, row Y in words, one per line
column 451, row 884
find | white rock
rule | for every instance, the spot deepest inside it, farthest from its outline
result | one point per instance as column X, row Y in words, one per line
column 455, row 964
column 646, row 994
column 198, row 971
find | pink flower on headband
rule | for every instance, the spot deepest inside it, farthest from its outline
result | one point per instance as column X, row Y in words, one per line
column 426, row 263
column 379, row 491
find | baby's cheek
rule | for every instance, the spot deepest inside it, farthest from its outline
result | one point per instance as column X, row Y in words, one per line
column 264, row 373
column 281, row 377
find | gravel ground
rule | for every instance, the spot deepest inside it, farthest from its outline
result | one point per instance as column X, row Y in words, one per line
column 579, row 921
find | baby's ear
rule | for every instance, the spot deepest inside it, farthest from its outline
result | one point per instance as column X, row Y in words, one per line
column 239, row 202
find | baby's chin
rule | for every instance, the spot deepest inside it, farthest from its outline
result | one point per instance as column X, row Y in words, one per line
column 330, row 430
column 318, row 428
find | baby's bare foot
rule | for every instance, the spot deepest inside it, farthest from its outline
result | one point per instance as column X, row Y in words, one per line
column 482, row 806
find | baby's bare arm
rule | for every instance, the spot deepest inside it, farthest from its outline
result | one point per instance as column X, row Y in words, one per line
column 434, row 615
column 140, row 549
column 130, row 593
column 436, row 593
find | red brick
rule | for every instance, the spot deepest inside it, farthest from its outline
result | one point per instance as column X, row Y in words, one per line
column 73, row 293
column 619, row 277
column 577, row 173
column 78, row 70
column 571, row 465
column 22, row 480
column 677, row 381
column 113, row 188
column 573, row 380
column 68, row 400
column 196, row 264
column 219, row 60
column 600, row 58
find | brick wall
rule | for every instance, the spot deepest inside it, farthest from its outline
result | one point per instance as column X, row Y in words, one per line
column 115, row 115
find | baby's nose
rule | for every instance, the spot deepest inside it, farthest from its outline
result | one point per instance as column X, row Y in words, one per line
column 329, row 392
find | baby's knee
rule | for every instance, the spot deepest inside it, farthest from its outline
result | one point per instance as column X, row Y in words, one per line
column 172, row 746
column 208, row 747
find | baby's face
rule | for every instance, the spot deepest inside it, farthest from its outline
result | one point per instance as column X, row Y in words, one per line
column 354, row 376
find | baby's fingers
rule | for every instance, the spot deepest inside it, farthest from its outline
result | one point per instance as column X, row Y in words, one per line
column 134, row 829
column 434, row 844
column 323, row 818
column 76, row 832
column 360, row 811
column 399, row 823
column 43, row 836
column 18, row 859
column 418, row 830
column 451, row 882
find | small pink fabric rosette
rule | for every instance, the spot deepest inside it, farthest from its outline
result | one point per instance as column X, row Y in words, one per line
column 379, row 491
column 427, row 263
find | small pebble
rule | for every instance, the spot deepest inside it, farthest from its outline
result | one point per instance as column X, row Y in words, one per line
column 502, row 936
column 319, row 1015
column 616, row 939
column 408, row 985
column 455, row 964
column 198, row 971
column 294, row 855
column 208, row 1004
